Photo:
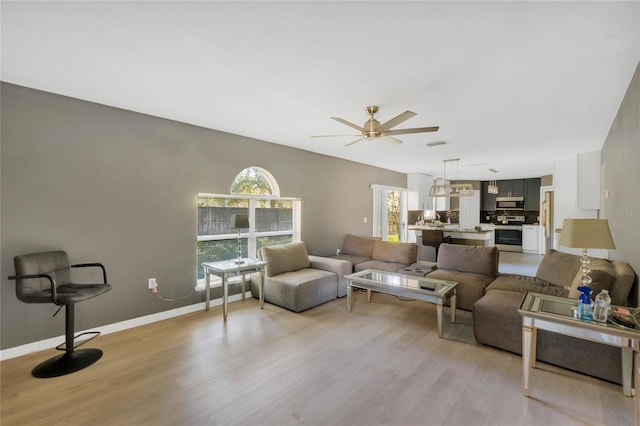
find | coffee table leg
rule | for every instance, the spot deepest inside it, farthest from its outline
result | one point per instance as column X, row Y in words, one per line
column 261, row 289
column 636, row 378
column 225, row 296
column 242, row 286
column 627, row 371
column 528, row 356
column 369, row 295
column 207, row 289
column 452, row 301
column 439, row 309
column 349, row 295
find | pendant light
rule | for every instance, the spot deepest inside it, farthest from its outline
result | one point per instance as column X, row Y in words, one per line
column 453, row 189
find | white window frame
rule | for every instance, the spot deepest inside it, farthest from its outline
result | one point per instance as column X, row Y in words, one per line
column 251, row 235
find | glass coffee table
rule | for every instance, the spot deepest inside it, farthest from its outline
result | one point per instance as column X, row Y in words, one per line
column 419, row 288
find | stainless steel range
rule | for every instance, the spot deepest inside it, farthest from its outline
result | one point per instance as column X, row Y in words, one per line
column 509, row 233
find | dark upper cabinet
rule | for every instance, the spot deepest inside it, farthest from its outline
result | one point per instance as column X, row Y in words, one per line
column 532, row 194
column 511, row 188
column 488, row 200
column 527, row 188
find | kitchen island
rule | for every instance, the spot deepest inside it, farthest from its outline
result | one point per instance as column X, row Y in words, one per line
column 475, row 237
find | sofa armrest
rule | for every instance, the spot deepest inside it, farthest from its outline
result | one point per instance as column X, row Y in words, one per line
column 337, row 266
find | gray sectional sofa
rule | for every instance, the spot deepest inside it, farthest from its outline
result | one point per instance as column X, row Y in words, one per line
column 297, row 281
column 497, row 323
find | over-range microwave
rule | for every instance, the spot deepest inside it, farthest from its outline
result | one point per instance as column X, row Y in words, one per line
column 510, row 203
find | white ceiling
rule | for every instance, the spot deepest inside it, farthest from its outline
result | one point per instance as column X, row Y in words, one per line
column 512, row 85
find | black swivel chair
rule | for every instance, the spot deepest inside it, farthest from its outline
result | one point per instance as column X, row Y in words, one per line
column 433, row 238
column 46, row 278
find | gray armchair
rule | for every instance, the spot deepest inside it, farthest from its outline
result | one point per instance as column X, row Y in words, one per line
column 46, row 278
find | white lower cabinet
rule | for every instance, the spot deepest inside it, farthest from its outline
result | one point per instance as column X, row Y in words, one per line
column 531, row 238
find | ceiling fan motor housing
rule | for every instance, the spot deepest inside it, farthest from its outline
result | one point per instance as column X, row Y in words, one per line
column 371, row 128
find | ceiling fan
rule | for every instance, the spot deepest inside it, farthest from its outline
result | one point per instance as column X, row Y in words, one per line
column 372, row 129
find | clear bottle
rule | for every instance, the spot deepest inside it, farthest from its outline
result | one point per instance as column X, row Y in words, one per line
column 602, row 305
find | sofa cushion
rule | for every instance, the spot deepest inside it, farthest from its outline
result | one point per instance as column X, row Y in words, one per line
column 337, row 266
column 476, row 259
column 379, row 265
column 403, row 253
column 302, row 289
column 359, row 246
column 470, row 289
column 496, row 320
column 521, row 284
column 352, row 258
column 602, row 275
column 285, row 258
column 558, row 268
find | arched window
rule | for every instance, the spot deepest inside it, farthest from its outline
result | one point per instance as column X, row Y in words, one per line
column 273, row 219
column 255, row 181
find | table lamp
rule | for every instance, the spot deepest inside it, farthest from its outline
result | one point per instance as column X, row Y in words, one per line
column 239, row 221
column 586, row 234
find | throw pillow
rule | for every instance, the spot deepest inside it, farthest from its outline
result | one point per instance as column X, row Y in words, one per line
column 359, row 246
column 558, row 268
column 602, row 275
column 285, row 258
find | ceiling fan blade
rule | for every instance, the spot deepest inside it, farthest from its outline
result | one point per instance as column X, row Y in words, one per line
column 343, row 121
column 414, row 130
column 391, row 140
column 356, row 141
column 400, row 118
column 332, row 136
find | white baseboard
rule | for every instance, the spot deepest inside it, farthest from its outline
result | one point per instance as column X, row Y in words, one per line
column 112, row 328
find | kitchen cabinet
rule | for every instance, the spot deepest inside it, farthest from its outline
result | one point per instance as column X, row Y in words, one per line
column 418, row 186
column 488, row 200
column 511, row 188
column 469, row 216
column 532, row 194
column 531, row 238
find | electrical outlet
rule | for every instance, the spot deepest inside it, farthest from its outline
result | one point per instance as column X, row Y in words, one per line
column 153, row 284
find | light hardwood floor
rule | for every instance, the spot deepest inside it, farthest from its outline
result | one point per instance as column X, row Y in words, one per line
column 382, row 364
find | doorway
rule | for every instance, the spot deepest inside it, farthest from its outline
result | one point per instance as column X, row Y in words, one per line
column 546, row 218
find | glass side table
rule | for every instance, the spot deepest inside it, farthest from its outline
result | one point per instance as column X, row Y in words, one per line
column 227, row 268
column 555, row 314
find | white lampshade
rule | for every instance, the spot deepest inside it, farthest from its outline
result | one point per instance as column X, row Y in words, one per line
column 586, row 233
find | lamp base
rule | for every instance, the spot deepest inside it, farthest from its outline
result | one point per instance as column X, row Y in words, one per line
column 238, row 261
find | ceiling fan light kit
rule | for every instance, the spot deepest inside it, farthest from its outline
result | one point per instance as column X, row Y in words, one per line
column 373, row 130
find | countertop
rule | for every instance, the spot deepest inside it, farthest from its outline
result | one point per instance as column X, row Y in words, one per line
column 449, row 229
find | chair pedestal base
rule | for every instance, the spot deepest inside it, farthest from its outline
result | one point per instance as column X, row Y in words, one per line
column 67, row 363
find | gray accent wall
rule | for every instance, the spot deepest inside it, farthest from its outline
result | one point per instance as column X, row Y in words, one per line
column 620, row 159
column 119, row 187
